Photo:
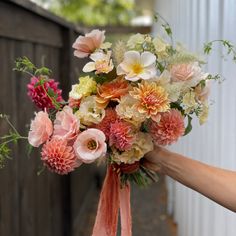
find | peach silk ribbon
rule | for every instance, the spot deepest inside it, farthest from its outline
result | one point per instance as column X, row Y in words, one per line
column 113, row 198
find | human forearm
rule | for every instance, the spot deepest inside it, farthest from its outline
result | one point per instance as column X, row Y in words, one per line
column 216, row 184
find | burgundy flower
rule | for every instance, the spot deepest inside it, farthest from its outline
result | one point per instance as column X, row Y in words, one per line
column 38, row 88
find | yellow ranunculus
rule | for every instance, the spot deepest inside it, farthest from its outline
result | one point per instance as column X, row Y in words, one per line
column 86, row 87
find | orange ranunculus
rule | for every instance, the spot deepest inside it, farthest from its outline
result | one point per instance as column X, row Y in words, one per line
column 152, row 99
column 111, row 91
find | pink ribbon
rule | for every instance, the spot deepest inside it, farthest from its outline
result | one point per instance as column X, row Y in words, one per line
column 113, row 198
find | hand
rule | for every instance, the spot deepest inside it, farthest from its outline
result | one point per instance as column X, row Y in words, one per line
column 153, row 159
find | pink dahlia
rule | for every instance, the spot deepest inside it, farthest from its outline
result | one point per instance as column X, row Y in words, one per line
column 105, row 124
column 168, row 129
column 121, row 135
column 37, row 92
column 59, row 157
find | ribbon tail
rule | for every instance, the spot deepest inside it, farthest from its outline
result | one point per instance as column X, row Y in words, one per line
column 108, row 207
column 125, row 211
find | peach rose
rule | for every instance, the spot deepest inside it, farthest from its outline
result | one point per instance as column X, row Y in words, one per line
column 202, row 93
column 85, row 45
column 184, row 72
column 66, row 125
column 41, row 129
column 90, row 145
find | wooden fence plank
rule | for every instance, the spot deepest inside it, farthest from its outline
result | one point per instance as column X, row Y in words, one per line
column 26, row 26
column 9, row 208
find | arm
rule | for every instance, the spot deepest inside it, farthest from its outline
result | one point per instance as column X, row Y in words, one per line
column 215, row 183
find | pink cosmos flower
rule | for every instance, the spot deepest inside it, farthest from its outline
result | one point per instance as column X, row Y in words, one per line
column 66, row 125
column 105, row 124
column 38, row 95
column 85, row 45
column 90, row 145
column 121, row 135
column 41, row 129
column 59, row 157
column 168, row 129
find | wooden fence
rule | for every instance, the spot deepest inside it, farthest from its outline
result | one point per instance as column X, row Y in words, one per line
column 48, row 204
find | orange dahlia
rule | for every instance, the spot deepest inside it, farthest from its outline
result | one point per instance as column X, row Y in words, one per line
column 59, row 157
column 111, row 91
column 152, row 99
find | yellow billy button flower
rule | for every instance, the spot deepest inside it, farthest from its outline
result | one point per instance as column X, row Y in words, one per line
column 152, row 99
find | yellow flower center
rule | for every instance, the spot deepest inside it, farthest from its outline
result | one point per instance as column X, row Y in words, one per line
column 92, row 144
column 137, row 68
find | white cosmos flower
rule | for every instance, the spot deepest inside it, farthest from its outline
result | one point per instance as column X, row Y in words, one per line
column 137, row 66
column 102, row 63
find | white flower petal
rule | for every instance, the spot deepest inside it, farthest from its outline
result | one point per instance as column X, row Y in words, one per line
column 135, row 78
column 89, row 67
column 97, row 56
column 145, row 76
column 120, row 70
column 148, row 58
column 131, row 57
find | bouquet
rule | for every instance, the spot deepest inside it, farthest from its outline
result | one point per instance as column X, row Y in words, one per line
column 133, row 95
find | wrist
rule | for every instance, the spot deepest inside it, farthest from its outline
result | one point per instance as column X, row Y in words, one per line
column 163, row 159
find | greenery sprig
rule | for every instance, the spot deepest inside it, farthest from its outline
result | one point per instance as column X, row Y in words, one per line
column 23, row 64
column 13, row 136
column 230, row 48
column 165, row 25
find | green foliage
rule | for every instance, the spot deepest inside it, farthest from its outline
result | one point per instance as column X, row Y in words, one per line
column 96, row 12
column 189, row 126
column 165, row 25
column 12, row 136
column 23, row 64
column 230, row 48
column 142, row 177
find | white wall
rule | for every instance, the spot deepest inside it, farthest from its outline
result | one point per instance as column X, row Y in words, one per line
column 195, row 22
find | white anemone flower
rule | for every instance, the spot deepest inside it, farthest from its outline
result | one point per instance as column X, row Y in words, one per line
column 101, row 63
column 137, row 66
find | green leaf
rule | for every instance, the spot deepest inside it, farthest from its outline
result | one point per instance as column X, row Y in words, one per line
column 43, row 71
column 189, row 126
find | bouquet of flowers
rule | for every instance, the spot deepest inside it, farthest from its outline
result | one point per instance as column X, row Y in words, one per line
column 133, row 95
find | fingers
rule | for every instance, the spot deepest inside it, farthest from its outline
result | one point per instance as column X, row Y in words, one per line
column 150, row 165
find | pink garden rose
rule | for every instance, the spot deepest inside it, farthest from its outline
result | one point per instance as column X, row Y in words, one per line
column 185, row 72
column 41, row 129
column 90, row 145
column 85, row 45
column 66, row 125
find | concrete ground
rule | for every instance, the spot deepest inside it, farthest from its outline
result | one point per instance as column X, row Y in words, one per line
column 148, row 212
